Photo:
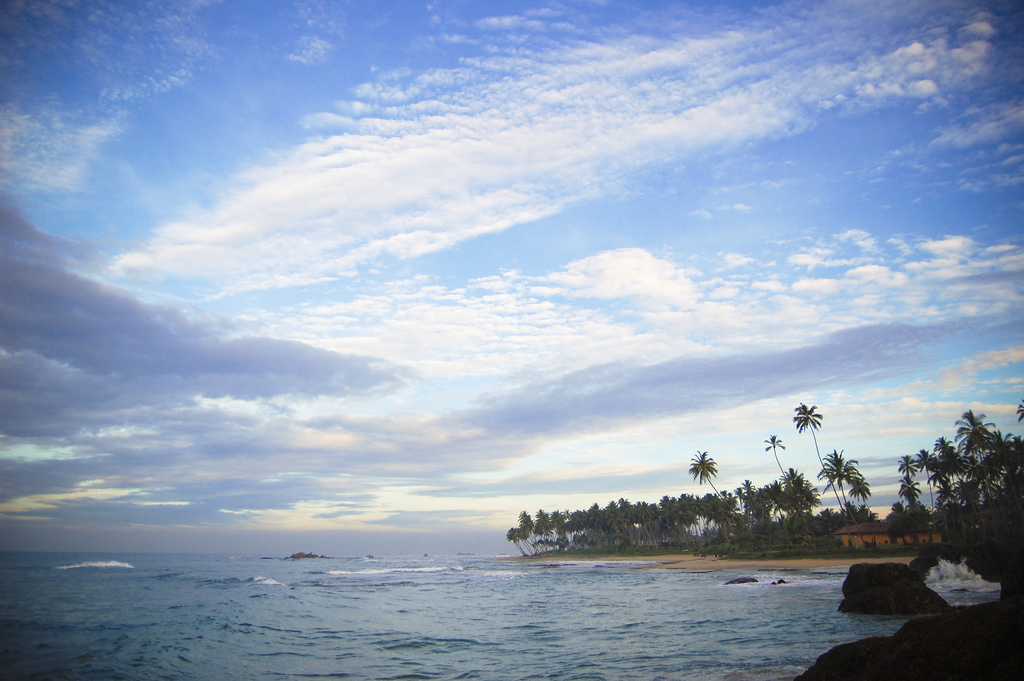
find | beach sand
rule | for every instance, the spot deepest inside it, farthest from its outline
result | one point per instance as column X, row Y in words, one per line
column 689, row 562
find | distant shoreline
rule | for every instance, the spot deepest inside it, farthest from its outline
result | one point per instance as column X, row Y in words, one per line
column 701, row 563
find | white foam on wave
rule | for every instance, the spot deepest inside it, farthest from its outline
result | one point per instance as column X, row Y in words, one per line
column 953, row 572
column 385, row 571
column 948, row 576
column 266, row 580
column 97, row 564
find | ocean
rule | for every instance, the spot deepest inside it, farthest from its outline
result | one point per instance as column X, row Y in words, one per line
column 162, row 616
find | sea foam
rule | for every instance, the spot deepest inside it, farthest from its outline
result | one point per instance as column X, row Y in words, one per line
column 96, row 564
column 960, row 585
column 954, row 572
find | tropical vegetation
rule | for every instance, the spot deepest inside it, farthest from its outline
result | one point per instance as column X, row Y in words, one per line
column 974, row 484
column 974, row 481
column 779, row 514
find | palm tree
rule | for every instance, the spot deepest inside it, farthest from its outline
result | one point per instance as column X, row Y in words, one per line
column 775, row 443
column 910, row 490
column 972, row 433
column 839, row 471
column 800, row 495
column 747, row 493
column 779, row 503
column 807, row 419
column 973, row 436
column 907, row 465
column 703, row 469
column 1020, row 411
column 859, row 488
column 925, row 461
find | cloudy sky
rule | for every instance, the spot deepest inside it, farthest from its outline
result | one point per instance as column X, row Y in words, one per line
column 376, row 276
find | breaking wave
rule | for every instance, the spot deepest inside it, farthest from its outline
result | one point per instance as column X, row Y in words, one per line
column 947, row 573
column 388, row 571
column 97, row 564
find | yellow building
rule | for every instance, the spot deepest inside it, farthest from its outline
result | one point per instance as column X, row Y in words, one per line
column 877, row 534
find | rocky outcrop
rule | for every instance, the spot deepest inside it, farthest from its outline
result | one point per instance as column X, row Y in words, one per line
column 300, row 555
column 742, row 580
column 888, row 589
column 980, row 642
column 1012, row 584
column 987, row 559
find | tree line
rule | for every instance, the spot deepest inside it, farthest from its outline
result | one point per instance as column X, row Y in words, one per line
column 974, row 482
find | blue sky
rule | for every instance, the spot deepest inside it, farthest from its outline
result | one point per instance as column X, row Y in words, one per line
column 374, row 277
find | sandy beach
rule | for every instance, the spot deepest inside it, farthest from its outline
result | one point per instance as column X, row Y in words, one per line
column 689, row 562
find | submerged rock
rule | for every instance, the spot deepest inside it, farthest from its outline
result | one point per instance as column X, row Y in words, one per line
column 741, row 580
column 888, row 589
column 980, row 642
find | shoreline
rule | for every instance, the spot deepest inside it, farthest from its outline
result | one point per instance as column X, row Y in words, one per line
column 705, row 564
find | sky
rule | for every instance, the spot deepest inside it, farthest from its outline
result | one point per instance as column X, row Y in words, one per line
column 374, row 277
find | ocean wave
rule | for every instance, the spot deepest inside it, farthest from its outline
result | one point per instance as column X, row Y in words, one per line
column 266, row 580
column 386, row 571
column 947, row 571
column 97, row 564
column 956, row 574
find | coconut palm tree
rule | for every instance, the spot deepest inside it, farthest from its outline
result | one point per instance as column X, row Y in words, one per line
column 838, row 471
column 800, row 496
column 973, row 436
column 774, row 443
column 910, row 490
column 972, row 433
column 747, row 493
column 859, row 488
column 779, row 504
column 1020, row 411
column 703, row 469
column 807, row 418
column 925, row 461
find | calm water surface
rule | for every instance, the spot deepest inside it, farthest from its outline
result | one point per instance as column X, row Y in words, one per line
column 158, row 616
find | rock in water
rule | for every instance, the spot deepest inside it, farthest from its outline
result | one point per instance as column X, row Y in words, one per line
column 741, row 580
column 888, row 589
column 980, row 642
column 987, row 559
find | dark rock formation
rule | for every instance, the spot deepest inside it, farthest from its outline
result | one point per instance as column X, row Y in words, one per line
column 888, row 589
column 300, row 555
column 1012, row 584
column 741, row 580
column 980, row 642
column 987, row 559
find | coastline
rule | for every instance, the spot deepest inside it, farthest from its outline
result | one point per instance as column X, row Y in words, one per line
column 704, row 564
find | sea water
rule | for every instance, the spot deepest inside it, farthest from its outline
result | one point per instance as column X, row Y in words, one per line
column 158, row 616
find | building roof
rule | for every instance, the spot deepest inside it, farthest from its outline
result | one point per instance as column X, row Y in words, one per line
column 879, row 527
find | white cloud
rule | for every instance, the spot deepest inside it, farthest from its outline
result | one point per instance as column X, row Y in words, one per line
column 858, row 236
column 628, row 303
column 506, row 139
column 50, row 150
column 311, row 49
column 736, row 259
column 629, row 273
column 817, row 287
column 985, row 125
